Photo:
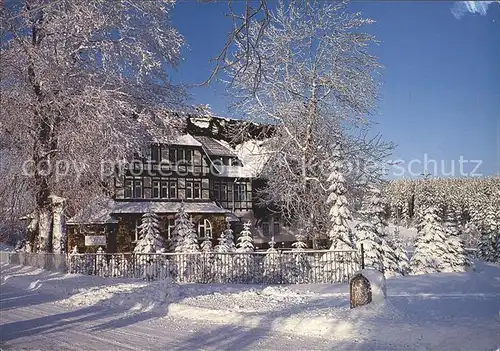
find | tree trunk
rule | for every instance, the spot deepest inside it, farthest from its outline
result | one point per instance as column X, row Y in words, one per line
column 44, row 230
column 58, row 225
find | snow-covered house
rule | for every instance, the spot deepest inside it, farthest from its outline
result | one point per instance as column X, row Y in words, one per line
column 207, row 168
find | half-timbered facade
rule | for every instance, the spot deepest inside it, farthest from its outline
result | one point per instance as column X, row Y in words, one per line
column 204, row 173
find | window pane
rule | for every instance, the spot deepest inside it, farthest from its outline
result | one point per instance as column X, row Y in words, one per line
column 189, row 189
column 217, row 191
column 155, row 153
column 138, row 189
column 164, row 189
column 128, row 189
column 172, row 155
column 180, row 155
column 156, row 189
column 208, row 228
column 197, row 190
column 276, row 227
column 173, row 190
column 265, row 228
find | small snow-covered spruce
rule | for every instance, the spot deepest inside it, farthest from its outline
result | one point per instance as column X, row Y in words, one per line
column 245, row 240
column 337, row 265
column 150, row 240
column 340, row 233
column 244, row 260
column 373, row 235
column 372, row 245
column 189, row 243
column 299, row 267
column 226, row 240
column 183, row 228
column 435, row 250
column 430, row 243
column 490, row 234
column 273, row 267
column 101, row 263
column 223, row 263
column 458, row 260
column 400, row 252
column 206, row 245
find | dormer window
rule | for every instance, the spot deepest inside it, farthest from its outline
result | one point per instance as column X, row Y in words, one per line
column 155, row 153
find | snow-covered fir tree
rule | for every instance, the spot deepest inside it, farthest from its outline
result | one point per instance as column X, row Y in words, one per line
column 273, row 265
column 394, row 241
column 299, row 267
column 430, row 243
column 366, row 235
column 490, row 234
column 223, row 263
column 206, row 245
column 340, row 233
column 336, row 265
column 184, row 235
column 372, row 234
column 245, row 240
column 189, row 242
column 150, row 240
column 244, row 261
column 101, row 263
column 226, row 239
column 435, row 249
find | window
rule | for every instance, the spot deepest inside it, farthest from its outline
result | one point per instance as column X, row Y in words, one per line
column 204, row 229
column 276, row 226
column 217, row 191
column 180, row 155
column 169, row 228
column 265, row 227
column 223, row 192
column 156, row 189
column 189, row 156
column 240, row 192
column 197, row 190
column 172, row 189
column 193, row 189
column 128, row 189
column 172, row 156
column 164, row 189
column 156, row 153
column 137, row 189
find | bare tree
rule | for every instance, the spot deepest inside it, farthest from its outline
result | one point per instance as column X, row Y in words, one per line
column 317, row 84
column 79, row 81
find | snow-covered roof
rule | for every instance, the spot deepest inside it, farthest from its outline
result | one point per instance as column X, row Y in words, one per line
column 95, row 213
column 102, row 213
column 184, row 139
column 234, row 171
column 254, row 155
column 215, row 148
column 165, row 207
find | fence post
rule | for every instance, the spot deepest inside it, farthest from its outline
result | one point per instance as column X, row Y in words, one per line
column 362, row 257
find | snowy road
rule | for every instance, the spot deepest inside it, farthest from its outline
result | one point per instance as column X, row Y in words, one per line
column 30, row 320
column 42, row 310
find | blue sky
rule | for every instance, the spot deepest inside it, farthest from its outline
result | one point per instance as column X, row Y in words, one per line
column 441, row 91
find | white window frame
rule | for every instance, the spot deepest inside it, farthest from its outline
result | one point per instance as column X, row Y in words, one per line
column 207, row 228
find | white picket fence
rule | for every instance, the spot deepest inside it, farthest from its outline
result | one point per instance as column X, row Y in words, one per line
column 285, row 267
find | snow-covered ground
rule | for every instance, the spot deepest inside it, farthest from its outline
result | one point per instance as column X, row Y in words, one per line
column 446, row 311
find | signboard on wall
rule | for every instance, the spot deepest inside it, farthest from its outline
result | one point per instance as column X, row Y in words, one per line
column 95, row 240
